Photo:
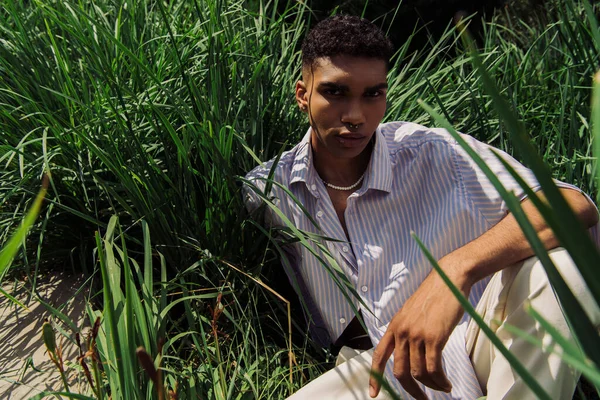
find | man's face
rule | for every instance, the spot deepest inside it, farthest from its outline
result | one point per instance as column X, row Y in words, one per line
column 345, row 98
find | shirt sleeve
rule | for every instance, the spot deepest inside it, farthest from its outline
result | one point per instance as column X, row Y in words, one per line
column 478, row 188
column 253, row 191
column 254, row 183
column 251, row 200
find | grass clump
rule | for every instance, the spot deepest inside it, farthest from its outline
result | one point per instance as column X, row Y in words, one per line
column 147, row 113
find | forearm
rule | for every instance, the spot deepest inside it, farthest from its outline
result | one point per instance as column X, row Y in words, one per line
column 420, row 329
column 505, row 244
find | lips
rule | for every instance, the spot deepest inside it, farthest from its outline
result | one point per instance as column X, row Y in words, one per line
column 351, row 135
column 350, row 139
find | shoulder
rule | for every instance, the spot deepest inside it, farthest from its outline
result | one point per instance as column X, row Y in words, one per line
column 255, row 181
column 402, row 135
column 280, row 169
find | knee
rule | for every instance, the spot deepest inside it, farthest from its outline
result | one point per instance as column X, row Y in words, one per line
column 570, row 275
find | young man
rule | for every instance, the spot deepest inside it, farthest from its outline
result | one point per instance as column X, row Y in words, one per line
column 367, row 186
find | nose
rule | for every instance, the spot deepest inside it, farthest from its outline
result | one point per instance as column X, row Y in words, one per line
column 354, row 113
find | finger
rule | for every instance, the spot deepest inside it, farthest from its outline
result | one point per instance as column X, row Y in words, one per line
column 433, row 359
column 418, row 365
column 382, row 353
column 402, row 370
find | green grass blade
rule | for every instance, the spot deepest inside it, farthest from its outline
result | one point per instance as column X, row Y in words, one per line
column 595, row 120
column 327, row 260
column 13, row 299
column 593, row 21
column 568, row 351
column 11, row 248
column 68, row 395
column 58, row 314
column 117, row 369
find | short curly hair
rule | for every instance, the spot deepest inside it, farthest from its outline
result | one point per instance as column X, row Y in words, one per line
column 346, row 35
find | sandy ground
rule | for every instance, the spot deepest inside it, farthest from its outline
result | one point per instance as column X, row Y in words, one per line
column 25, row 368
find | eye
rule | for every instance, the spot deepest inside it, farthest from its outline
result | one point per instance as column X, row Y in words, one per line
column 332, row 92
column 374, row 93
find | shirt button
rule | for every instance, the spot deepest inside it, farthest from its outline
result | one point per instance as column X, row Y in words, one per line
column 313, row 187
column 345, row 249
column 342, row 320
column 364, row 289
column 319, row 214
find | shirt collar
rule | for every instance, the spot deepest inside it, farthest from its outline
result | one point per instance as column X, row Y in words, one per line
column 379, row 171
column 378, row 175
column 302, row 167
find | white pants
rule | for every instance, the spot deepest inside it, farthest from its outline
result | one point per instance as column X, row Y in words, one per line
column 503, row 301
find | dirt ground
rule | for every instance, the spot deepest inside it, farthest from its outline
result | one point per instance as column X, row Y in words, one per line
column 25, row 367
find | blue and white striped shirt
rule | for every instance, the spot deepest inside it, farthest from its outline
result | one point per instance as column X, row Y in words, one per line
column 418, row 179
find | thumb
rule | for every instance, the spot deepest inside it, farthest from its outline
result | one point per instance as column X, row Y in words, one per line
column 381, row 354
column 375, row 383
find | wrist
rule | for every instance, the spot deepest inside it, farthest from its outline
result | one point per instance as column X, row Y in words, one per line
column 462, row 271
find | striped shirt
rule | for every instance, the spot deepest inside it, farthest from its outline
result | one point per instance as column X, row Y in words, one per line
column 418, row 180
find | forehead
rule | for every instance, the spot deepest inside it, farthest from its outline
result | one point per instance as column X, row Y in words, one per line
column 348, row 70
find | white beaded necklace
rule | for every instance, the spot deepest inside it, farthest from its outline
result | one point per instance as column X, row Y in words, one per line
column 345, row 187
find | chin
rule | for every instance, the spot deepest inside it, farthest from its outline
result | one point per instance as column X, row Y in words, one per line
column 348, row 153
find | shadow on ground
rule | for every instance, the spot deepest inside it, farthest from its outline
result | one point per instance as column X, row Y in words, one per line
column 25, row 368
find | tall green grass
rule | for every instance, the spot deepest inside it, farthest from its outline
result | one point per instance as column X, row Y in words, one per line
column 544, row 70
column 145, row 110
column 147, row 113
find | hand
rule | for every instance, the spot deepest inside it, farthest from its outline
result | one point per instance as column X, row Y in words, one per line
column 418, row 333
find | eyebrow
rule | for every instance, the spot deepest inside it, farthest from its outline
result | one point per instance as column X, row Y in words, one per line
column 379, row 86
column 346, row 88
column 333, row 85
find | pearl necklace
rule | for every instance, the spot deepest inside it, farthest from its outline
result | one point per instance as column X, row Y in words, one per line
column 345, row 187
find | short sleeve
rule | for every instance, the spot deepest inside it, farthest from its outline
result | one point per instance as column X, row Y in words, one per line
column 254, row 183
column 478, row 188
column 253, row 192
column 251, row 200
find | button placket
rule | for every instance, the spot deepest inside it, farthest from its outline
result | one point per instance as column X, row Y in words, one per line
column 314, row 191
column 355, row 250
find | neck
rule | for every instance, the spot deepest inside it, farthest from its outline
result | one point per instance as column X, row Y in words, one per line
column 341, row 171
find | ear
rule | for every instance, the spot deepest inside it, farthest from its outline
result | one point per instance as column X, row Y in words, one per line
column 301, row 96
